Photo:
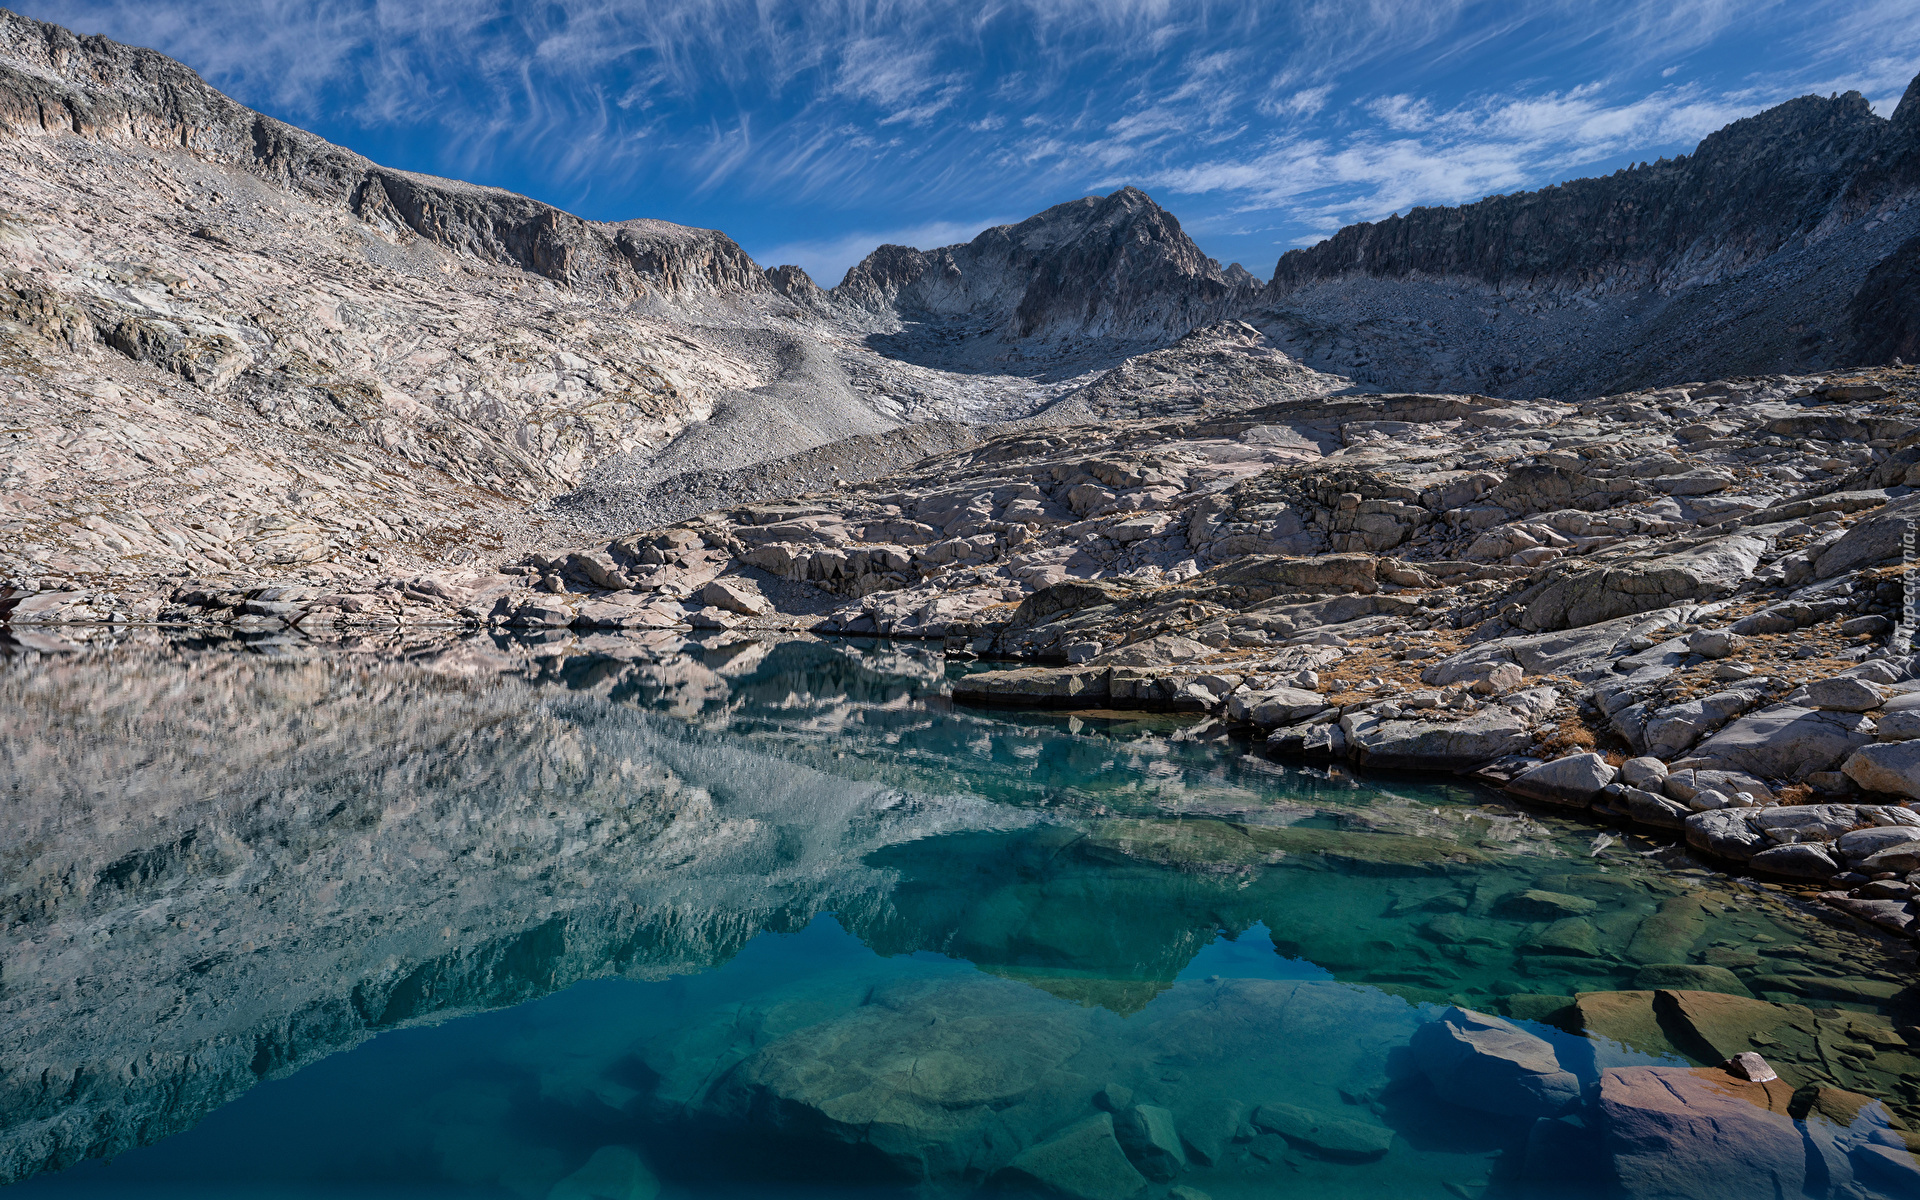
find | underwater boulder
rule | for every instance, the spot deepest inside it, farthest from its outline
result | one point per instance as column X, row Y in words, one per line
column 1336, row 1138
column 1485, row 1063
column 1147, row 1133
column 1084, row 1163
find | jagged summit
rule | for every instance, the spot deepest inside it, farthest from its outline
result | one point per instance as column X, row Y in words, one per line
column 1115, row 266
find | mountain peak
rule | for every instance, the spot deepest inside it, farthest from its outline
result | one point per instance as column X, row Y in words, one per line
column 1113, row 266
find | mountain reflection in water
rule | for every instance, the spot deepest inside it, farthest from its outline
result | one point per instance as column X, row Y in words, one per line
column 842, row 936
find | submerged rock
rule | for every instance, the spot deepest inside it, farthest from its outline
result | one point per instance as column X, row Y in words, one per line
column 1085, row 1163
column 1483, row 1062
column 1152, row 1143
column 1327, row 1136
column 613, row 1173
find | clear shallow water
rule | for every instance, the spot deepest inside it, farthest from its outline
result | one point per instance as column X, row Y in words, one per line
column 742, row 919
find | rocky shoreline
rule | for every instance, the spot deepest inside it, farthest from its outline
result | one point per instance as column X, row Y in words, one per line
column 1674, row 610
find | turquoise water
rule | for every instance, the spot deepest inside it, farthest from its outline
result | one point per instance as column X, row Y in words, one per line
column 650, row 916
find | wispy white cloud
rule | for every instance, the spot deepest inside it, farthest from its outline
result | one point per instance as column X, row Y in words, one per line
column 1273, row 120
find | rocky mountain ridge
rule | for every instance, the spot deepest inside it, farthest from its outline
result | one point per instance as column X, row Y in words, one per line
column 1783, row 243
column 56, row 83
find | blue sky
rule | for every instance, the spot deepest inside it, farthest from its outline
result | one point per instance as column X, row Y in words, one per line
column 812, row 132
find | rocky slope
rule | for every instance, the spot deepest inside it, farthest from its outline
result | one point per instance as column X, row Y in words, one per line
column 1783, row 243
column 227, row 344
column 1699, row 578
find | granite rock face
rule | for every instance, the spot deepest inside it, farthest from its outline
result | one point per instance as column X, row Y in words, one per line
column 1116, row 266
column 1675, row 257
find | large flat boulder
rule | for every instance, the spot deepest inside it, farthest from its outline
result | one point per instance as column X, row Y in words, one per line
column 1796, row 860
column 1700, row 1133
column 1785, row 742
column 1727, row 833
column 1485, row 1063
column 1871, row 539
column 1325, row 573
column 1586, row 597
column 1435, row 745
column 1035, row 687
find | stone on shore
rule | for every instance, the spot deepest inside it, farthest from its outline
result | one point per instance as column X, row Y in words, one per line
column 736, row 596
column 1435, row 745
column 1785, row 742
column 1796, row 860
column 1573, row 780
column 1037, row 687
column 1891, row 767
column 1845, row 695
column 1726, row 833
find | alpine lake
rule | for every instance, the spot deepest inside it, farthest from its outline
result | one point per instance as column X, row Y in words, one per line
column 634, row 916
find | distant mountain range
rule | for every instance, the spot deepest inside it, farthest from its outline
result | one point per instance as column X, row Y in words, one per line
column 1786, row 241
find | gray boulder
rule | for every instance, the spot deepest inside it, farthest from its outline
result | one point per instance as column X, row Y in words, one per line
column 1651, row 808
column 1707, row 798
column 1845, row 695
column 1485, row 1063
column 736, row 596
column 1808, row 822
column 1864, row 843
column 1872, row 539
column 1573, row 780
column 1715, row 643
column 1644, row 772
column 1673, row 729
column 1279, row 706
column 1726, row 833
column 1796, row 860
column 1900, row 726
column 1598, row 594
column 1684, row 783
column 1892, row 767
column 1900, row 858
column 1165, row 650
column 1785, row 742
column 1434, row 745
